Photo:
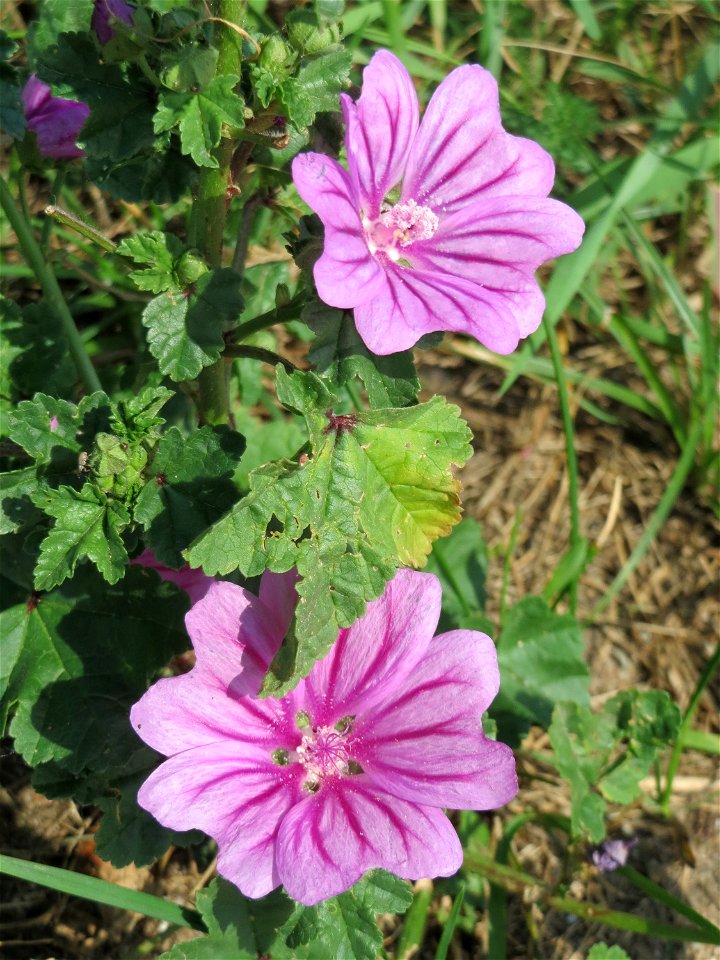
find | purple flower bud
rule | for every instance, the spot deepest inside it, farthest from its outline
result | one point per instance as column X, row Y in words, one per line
column 612, row 854
column 57, row 122
column 105, row 12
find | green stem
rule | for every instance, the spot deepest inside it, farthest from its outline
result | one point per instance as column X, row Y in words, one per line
column 75, row 223
column 258, row 353
column 705, row 677
column 667, row 502
column 101, row 891
column 50, row 287
column 279, row 315
column 207, row 223
column 664, row 896
column 570, row 453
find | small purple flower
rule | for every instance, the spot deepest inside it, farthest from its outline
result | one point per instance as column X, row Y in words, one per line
column 57, row 122
column 53, row 424
column 348, row 772
column 194, row 582
column 105, row 12
column 612, row 854
column 456, row 246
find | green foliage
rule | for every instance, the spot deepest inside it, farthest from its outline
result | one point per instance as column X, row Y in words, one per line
column 190, row 487
column 540, row 654
column 373, row 494
column 200, row 117
column 121, row 104
column 185, row 327
column 460, row 562
column 342, row 928
column 345, row 926
column 339, row 353
column 159, row 253
column 238, row 928
column 12, row 118
column 34, row 355
column 315, row 87
column 80, row 656
column 87, row 524
column 605, row 755
column 601, row 951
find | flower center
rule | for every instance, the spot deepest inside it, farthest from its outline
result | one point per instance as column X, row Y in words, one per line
column 399, row 226
column 324, row 753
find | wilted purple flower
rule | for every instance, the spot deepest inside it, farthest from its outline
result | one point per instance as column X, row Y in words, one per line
column 57, row 122
column 104, row 12
column 612, row 854
column 194, row 582
column 456, row 246
column 348, row 772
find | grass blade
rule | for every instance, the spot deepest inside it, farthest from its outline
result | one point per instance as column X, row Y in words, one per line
column 451, row 923
column 101, row 891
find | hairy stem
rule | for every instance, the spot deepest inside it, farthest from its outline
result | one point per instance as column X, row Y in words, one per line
column 207, row 224
column 50, row 287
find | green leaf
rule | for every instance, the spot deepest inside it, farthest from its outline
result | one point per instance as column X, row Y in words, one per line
column 460, row 562
column 345, row 926
column 540, row 654
column 201, row 116
column 185, row 328
column 375, row 491
column 46, row 427
column 35, row 354
column 316, row 86
column 87, row 524
column 191, row 486
column 136, row 418
column 339, row 353
column 87, row 652
column 607, row 754
column 16, row 508
column 55, row 17
column 601, row 951
column 158, row 251
column 266, row 442
column 120, row 101
column 238, row 928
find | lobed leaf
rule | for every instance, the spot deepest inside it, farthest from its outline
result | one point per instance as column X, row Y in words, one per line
column 190, row 487
column 82, row 654
column 375, row 491
column 87, row 524
column 200, row 117
column 185, row 328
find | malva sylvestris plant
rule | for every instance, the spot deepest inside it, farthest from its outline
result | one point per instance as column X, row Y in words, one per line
column 324, row 735
column 350, row 770
column 438, row 225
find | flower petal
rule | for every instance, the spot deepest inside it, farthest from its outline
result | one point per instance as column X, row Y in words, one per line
column 234, row 636
column 426, row 742
column 415, row 302
column 234, row 793
column 499, row 243
column 346, row 273
column 461, row 151
column 381, row 127
column 193, row 710
column 277, row 593
column 328, row 841
column 375, row 655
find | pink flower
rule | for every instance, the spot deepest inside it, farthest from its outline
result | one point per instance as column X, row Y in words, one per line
column 57, row 122
column 194, row 582
column 104, row 12
column 350, row 770
column 457, row 247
